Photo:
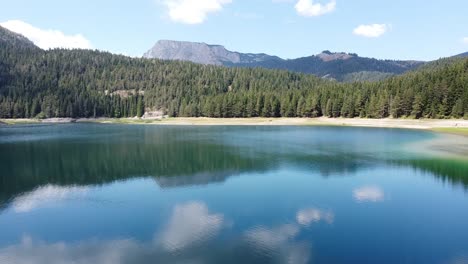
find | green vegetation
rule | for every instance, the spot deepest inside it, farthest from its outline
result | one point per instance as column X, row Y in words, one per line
column 452, row 130
column 83, row 83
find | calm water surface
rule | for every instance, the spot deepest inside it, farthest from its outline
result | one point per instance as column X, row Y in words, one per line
column 86, row 193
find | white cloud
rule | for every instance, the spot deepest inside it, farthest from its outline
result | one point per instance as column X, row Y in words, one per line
column 47, row 38
column 46, row 196
column 465, row 40
column 368, row 194
column 371, row 31
column 193, row 11
column 308, row 216
column 309, row 8
column 190, row 223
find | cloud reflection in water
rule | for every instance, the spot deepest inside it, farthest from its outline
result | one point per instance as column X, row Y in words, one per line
column 47, row 195
column 279, row 242
column 308, row 216
column 368, row 194
column 190, row 223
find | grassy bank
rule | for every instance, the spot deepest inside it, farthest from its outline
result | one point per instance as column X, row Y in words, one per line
column 452, row 130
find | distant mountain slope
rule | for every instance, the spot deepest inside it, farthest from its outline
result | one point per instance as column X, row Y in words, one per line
column 202, row 53
column 8, row 37
column 343, row 66
column 462, row 55
column 337, row 66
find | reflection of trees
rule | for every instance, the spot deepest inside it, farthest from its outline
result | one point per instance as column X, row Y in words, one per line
column 329, row 165
column 26, row 166
column 175, row 157
column 449, row 170
column 201, row 178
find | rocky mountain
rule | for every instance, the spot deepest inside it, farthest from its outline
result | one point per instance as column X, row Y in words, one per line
column 203, row 53
column 332, row 65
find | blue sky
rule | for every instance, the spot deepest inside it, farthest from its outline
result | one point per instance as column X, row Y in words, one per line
column 397, row 29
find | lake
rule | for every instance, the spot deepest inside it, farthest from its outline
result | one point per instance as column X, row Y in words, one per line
column 93, row 193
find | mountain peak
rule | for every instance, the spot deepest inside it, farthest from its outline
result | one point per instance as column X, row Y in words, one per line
column 199, row 52
column 331, row 56
column 190, row 51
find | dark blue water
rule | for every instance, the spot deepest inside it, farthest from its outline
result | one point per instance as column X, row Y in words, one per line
column 85, row 193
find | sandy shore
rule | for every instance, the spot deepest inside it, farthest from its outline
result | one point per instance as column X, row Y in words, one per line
column 457, row 126
column 391, row 123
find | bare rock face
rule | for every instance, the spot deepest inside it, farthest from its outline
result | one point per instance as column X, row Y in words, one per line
column 190, row 51
column 201, row 53
column 328, row 56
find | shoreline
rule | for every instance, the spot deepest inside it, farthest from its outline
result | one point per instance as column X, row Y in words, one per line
column 451, row 126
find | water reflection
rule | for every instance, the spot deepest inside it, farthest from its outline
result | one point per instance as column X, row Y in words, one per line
column 279, row 243
column 453, row 171
column 282, row 195
column 368, row 194
column 266, row 239
column 45, row 196
column 308, row 216
column 38, row 252
column 189, row 224
column 200, row 178
column 461, row 259
column 176, row 157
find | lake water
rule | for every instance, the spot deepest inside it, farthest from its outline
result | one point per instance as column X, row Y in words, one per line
column 89, row 193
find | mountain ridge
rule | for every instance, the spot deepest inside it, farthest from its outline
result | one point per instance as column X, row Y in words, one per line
column 339, row 66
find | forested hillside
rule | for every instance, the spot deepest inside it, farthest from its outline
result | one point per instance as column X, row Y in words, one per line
column 84, row 83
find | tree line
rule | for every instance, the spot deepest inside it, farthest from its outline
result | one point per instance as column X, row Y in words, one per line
column 85, row 83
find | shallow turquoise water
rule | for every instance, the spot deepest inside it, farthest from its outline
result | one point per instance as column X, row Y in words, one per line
column 87, row 193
